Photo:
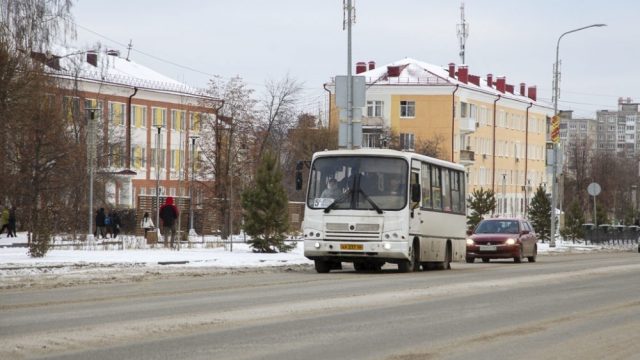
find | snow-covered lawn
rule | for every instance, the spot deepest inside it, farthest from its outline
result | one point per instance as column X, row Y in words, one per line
column 18, row 269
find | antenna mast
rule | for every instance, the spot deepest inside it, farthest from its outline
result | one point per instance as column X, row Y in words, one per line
column 129, row 48
column 463, row 32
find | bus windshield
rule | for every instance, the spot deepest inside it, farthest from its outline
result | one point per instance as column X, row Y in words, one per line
column 359, row 183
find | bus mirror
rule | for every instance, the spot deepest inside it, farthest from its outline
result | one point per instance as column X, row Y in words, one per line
column 298, row 180
column 415, row 192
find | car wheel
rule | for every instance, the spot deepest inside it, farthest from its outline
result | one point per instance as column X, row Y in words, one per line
column 535, row 254
column 485, row 260
column 470, row 260
column 518, row 259
column 322, row 267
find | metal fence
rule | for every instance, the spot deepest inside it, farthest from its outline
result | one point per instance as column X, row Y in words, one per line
column 611, row 234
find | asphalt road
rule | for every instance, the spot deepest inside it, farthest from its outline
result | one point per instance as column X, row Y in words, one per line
column 584, row 306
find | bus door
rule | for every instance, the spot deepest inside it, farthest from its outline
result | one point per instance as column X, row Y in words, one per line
column 415, row 213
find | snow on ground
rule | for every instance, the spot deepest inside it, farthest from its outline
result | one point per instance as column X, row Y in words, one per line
column 64, row 265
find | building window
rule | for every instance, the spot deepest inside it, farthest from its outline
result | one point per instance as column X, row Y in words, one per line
column 407, row 141
column 139, row 116
column 370, row 140
column 407, row 109
column 374, row 108
column 159, row 117
column 464, row 112
column 116, row 114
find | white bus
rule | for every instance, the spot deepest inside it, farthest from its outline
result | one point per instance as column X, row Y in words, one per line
column 373, row 206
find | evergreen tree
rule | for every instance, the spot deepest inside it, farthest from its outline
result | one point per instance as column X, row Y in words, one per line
column 481, row 202
column 540, row 213
column 573, row 222
column 265, row 206
column 602, row 216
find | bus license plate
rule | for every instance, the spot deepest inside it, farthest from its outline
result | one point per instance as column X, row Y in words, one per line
column 351, row 247
column 488, row 248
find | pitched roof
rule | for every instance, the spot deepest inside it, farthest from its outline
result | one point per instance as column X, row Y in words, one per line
column 415, row 72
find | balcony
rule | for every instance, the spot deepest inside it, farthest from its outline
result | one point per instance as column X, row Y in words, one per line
column 467, row 157
column 467, row 125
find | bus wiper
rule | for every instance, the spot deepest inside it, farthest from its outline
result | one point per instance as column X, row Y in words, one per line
column 338, row 200
column 366, row 197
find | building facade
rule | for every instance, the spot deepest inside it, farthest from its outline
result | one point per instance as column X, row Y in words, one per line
column 496, row 131
column 144, row 122
column 619, row 131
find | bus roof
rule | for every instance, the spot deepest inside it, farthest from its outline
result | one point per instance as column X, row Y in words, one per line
column 388, row 153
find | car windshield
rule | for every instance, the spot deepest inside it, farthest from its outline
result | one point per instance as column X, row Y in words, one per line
column 497, row 227
column 359, row 183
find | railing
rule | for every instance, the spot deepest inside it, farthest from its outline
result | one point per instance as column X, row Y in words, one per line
column 611, row 234
column 467, row 156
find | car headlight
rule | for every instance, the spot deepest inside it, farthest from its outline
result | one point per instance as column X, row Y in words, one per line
column 510, row 241
column 470, row 242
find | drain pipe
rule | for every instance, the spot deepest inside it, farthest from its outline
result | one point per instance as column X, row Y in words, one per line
column 493, row 173
column 453, row 118
column 526, row 158
column 128, row 125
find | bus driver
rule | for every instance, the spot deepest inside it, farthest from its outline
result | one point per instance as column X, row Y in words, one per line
column 332, row 190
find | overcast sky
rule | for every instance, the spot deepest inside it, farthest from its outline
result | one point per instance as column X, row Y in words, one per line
column 260, row 40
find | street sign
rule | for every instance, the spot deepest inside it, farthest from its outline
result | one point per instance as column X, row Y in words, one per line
column 594, row 189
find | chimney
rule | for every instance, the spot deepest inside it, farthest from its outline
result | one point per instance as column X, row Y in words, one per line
column 113, row 52
column 372, row 65
column 463, row 73
column 490, row 80
column 393, row 70
column 510, row 88
column 532, row 93
column 522, row 86
column 92, row 58
column 501, row 83
column 452, row 70
column 361, row 67
column 474, row 79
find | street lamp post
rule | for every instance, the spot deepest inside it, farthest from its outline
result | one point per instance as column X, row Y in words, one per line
column 193, row 138
column 158, row 139
column 91, row 158
column 556, row 88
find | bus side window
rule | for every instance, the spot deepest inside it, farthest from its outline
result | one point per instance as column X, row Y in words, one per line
column 436, row 190
column 415, row 188
column 425, row 175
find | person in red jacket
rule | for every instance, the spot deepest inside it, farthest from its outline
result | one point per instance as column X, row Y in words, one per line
column 168, row 215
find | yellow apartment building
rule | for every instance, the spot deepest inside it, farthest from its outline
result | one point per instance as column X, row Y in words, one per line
column 496, row 130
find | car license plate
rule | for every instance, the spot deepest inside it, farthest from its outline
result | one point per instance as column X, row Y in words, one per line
column 488, row 248
column 351, row 247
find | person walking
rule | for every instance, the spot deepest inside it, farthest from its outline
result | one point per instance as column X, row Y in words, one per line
column 12, row 222
column 115, row 224
column 168, row 215
column 4, row 220
column 146, row 224
column 100, row 230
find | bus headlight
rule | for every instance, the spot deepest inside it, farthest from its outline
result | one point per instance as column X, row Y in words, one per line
column 470, row 242
column 316, row 245
column 386, row 246
column 510, row 241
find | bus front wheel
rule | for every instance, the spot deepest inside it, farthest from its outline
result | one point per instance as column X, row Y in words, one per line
column 413, row 264
column 322, row 266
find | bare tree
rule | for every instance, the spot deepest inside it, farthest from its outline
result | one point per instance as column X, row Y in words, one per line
column 278, row 105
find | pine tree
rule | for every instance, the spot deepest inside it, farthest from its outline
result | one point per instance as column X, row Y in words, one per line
column 540, row 213
column 266, row 211
column 481, row 202
column 573, row 222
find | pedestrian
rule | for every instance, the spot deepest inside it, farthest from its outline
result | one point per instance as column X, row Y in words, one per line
column 100, row 226
column 168, row 215
column 107, row 224
column 12, row 222
column 146, row 224
column 4, row 219
column 115, row 224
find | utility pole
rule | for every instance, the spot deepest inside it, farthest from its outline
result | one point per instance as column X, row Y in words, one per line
column 347, row 21
column 158, row 140
column 463, row 33
column 192, row 231
column 91, row 159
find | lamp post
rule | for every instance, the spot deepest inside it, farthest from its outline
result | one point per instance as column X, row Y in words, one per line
column 158, row 139
column 556, row 88
column 193, row 138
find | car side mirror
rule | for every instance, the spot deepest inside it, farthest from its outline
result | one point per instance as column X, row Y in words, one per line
column 524, row 232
